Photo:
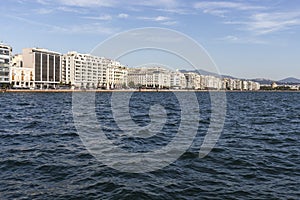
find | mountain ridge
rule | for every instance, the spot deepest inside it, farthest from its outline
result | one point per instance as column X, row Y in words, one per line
column 263, row 81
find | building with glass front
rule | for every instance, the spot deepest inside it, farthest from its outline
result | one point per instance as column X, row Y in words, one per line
column 46, row 65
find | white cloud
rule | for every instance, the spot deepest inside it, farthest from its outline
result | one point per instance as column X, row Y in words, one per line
column 216, row 5
column 89, row 3
column 161, row 18
column 169, row 23
column 157, row 19
column 43, row 11
column 123, row 15
column 175, row 11
column 222, row 8
column 102, row 17
column 117, row 3
column 242, row 40
column 156, row 3
column 265, row 23
column 94, row 28
column 72, row 10
column 219, row 13
column 43, row 2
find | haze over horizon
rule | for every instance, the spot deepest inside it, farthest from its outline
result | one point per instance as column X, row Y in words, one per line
column 246, row 39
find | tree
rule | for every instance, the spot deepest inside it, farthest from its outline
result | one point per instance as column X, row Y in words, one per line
column 131, row 84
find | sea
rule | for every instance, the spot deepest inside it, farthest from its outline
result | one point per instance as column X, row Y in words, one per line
column 257, row 155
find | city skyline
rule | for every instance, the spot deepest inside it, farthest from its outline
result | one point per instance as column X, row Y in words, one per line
column 250, row 39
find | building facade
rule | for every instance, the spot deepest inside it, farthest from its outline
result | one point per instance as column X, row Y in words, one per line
column 5, row 64
column 46, row 66
column 178, row 80
column 21, row 77
column 91, row 72
column 116, row 75
column 149, row 77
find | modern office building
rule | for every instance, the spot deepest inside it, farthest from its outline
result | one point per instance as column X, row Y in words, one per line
column 46, row 66
column 5, row 64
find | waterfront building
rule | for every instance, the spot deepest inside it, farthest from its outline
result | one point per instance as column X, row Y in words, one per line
column 213, row 83
column 83, row 70
column 5, row 64
column 274, row 85
column 116, row 75
column 46, row 66
column 255, row 86
column 149, row 77
column 91, row 72
column 193, row 80
column 178, row 80
column 21, row 77
column 228, row 84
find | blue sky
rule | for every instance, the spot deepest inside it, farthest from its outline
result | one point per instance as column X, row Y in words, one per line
column 247, row 39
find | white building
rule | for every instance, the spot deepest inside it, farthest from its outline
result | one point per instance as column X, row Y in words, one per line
column 116, row 75
column 178, row 80
column 88, row 71
column 213, row 83
column 20, row 76
column 5, row 64
column 193, row 80
column 149, row 77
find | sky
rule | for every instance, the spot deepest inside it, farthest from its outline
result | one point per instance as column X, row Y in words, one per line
column 246, row 39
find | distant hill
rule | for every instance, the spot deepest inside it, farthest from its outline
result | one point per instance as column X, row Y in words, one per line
column 290, row 80
column 263, row 81
column 206, row 73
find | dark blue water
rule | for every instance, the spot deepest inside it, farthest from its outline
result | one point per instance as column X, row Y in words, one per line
column 257, row 156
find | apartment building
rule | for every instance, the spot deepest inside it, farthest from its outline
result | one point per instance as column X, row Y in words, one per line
column 117, row 75
column 178, row 80
column 21, row 77
column 5, row 64
column 150, row 77
column 90, row 72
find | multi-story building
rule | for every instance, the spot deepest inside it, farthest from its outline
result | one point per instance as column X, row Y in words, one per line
column 178, row 80
column 193, row 80
column 150, row 77
column 117, row 75
column 83, row 70
column 5, row 64
column 20, row 76
column 46, row 66
column 88, row 71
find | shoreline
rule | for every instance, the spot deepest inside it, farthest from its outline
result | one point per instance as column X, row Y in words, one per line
column 135, row 90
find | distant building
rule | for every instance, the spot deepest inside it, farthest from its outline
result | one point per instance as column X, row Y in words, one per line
column 20, row 76
column 46, row 66
column 178, row 80
column 88, row 71
column 213, row 83
column 116, row 75
column 83, row 70
column 274, row 85
column 150, row 77
column 5, row 64
column 193, row 80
